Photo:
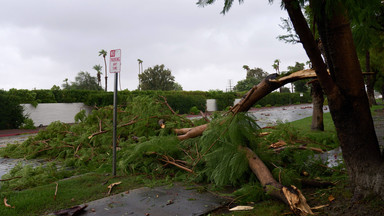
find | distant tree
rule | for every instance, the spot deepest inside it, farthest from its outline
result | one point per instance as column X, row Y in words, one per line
column 55, row 88
column 300, row 85
column 177, row 87
column 104, row 54
column 276, row 65
column 98, row 69
column 253, row 77
column 65, row 84
column 84, row 81
column 11, row 111
column 157, row 78
column 284, row 90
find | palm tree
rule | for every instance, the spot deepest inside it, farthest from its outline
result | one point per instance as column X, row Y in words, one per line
column 98, row 68
column 104, row 53
column 276, row 66
column 140, row 63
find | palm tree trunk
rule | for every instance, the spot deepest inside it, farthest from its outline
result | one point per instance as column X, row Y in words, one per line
column 106, row 75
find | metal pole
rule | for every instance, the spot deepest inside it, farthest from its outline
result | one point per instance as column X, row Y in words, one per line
column 114, row 125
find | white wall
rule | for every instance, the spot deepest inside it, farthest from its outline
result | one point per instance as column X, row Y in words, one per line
column 211, row 105
column 45, row 113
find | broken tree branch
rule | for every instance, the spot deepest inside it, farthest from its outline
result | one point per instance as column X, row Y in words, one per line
column 119, row 126
column 170, row 160
column 266, row 86
column 16, row 177
column 57, row 186
column 289, row 195
column 169, row 107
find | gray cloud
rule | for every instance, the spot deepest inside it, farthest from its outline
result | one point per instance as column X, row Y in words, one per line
column 44, row 41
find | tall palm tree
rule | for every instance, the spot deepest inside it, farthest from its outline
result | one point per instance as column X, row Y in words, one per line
column 276, row 66
column 98, row 69
column 140, row 64
column 104, row 54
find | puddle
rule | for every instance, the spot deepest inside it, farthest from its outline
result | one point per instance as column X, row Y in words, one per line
column 6, row 164
column 333, row 157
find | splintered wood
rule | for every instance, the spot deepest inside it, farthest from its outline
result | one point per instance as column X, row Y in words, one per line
column 297, row 201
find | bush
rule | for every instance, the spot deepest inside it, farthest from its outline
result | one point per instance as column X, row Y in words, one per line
column 11, row 111
column 194, row 110
column 28, row 124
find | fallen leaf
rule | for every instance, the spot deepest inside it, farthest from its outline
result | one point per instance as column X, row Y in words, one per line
column 6, row 204
column 331, row 198
column 241, row 208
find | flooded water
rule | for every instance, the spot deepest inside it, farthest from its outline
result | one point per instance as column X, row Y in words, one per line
column 271, row 116
column 6, row 164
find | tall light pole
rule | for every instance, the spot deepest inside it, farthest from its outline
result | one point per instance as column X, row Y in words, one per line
column 140, row 64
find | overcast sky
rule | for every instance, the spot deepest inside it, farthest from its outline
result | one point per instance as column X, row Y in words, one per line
column 44, row 42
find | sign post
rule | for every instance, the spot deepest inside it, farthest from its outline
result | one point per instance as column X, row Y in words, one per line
column 114, row 67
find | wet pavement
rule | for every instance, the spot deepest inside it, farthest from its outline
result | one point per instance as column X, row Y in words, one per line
column 177, row 200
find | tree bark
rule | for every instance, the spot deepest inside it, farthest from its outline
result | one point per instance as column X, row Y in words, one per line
column 347, row 99
column 317, row 101
column 289, row 195
column 370, row 80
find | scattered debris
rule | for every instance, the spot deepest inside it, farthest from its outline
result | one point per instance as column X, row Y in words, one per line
column 297, row 201
column 241, row 208
column 170, row 202
column 278, row 144
column 70, row 211
column 319, row 207
column 57, row 186
column 111, row 186
column 264, row 134
column 6, row 204
column 331, row 198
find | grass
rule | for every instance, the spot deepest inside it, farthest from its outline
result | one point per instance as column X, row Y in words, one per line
column 71, row 192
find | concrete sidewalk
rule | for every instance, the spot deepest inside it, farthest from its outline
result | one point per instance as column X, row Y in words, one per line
column 177, row 200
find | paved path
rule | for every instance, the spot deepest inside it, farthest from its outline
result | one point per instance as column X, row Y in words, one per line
column 177, row 200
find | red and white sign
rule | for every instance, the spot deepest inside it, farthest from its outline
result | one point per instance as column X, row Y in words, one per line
column 115, row 61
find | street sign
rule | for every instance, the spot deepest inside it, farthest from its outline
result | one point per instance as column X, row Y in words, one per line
column 114, row 67
column 115, row 61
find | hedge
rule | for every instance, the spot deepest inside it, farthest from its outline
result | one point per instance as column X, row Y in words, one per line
column 181, row 101
column 279, row 99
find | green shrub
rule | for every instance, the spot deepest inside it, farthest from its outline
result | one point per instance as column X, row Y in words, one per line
column 11, row 111
column 194, row 110
column 28, row 124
